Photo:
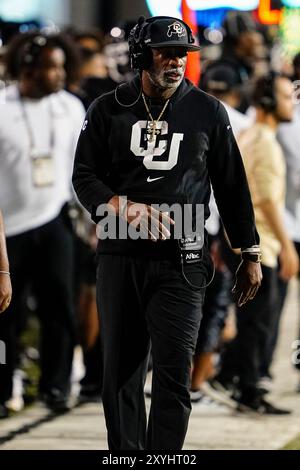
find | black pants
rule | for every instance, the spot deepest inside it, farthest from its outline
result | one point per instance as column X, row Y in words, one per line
column 93, row 376
column 85, row 274
column 271, row 346
column 42, row 257
column 215, row 310
column 141, row 300
column 255, row 322
column 282, row 289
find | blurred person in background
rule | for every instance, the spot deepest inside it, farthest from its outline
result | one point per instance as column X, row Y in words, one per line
column 243, row 47
column 116, row 67
column 2, row 61
column 116, row 52
column 104, row 62
column 5, row 293
column 214, row 311
column 91, row 39
column 93, row 64
column 5, row 284
column 40, row 123
column 92, row 78
column 223, row 82
column 266, row 173
column 90, row 69
column 296, row 67
column 86, row 310
column 289, row 138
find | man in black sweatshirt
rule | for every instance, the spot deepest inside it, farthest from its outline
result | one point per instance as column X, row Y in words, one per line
column 158, row 140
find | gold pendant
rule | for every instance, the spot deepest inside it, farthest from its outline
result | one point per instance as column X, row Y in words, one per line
column 152, row 132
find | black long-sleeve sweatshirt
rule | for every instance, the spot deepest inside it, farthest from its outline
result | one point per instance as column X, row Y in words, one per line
column 196, row 148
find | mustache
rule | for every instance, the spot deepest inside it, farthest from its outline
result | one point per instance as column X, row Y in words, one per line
column 177, row 71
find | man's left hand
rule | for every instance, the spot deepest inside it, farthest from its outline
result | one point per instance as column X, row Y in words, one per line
column 247, row 282
column 5, row 292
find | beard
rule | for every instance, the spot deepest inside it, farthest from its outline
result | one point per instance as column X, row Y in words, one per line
column 166, row 79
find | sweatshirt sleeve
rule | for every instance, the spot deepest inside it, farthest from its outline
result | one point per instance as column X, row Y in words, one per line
column 230, row 185
column 92, row 162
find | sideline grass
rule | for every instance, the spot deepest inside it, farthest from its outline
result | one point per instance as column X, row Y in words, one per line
column 293, row 445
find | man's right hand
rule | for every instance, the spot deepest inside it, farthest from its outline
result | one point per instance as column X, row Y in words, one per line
column 152, row 223
column 289, row 261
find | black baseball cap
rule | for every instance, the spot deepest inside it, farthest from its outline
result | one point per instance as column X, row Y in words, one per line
column 220, row 77
column 165, row 31
column 238, row 22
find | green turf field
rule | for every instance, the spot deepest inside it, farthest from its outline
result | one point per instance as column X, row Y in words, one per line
column 293, row 445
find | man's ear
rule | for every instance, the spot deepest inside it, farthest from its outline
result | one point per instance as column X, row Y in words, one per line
column 148, row 58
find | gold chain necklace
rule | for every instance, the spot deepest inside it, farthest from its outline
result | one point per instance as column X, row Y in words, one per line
column 151, row 128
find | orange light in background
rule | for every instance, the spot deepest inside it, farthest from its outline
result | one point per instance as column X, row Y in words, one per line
column 266, row 15
column 193, row 68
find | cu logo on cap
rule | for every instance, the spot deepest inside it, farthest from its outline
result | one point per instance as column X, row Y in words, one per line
column 177, row 29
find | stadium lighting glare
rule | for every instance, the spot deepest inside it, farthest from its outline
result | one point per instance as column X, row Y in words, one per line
column 234, row 4
column 19, row 10
column 116, row 32
column 291, row 3
column 165, row 7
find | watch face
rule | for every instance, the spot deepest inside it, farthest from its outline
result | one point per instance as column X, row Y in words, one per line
column 255, row 257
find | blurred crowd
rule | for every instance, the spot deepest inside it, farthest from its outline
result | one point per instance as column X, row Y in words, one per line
column 50, row 81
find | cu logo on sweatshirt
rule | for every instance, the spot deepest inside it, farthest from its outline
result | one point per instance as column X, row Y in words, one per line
column 155, row 148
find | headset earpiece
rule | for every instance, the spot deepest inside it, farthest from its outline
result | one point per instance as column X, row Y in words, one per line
column 140, row 54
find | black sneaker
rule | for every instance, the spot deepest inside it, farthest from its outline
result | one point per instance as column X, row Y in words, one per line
column 225, row 388
column 4, row 413
column 261, row 406
column 89, row 394
column 56, row 401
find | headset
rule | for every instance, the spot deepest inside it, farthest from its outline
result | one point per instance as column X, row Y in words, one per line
column 139, row 53
column 236, row 23
column 32, row 50
column 268, row 100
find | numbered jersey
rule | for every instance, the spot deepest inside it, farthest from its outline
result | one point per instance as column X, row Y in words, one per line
column 190, row 148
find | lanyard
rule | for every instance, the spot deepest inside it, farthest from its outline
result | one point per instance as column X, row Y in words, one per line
column 29, row 128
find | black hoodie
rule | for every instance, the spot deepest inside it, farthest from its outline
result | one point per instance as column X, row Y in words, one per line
column 196, row 149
